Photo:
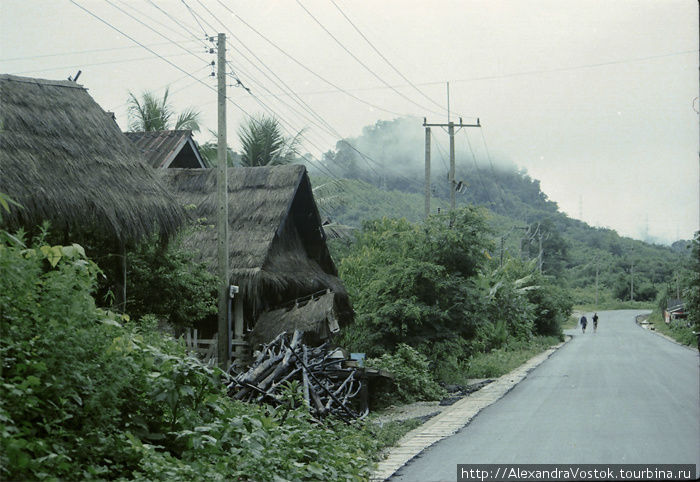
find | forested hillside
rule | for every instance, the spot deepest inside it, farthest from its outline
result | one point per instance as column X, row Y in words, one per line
column 384, row 172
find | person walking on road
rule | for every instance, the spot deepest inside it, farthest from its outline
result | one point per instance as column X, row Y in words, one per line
column 584, row 322
column 595, row 322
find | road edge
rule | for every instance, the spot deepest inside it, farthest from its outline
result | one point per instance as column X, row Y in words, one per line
column 662, row 335
column 454, row 418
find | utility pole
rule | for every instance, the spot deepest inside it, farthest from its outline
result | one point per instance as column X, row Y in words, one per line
column 451, row 131
column 540, row 254
column 596, row 283
column 224, row 336
column 632, row 282
column 427, row 172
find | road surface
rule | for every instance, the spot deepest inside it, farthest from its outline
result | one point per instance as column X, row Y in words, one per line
column 621, row 395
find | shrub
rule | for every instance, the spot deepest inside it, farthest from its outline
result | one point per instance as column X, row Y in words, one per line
column 413, row 379
column 88, row 394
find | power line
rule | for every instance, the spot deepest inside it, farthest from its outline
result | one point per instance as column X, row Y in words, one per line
column 179, row 24
column 478, row 172
column 78, row 52
column 320, row 24
column 155, row 31
column 299, row 101
column 330, row 129
column 153, row 52
column 293, row 59
column 106, row 62
column 383, row 57
column 195, row 18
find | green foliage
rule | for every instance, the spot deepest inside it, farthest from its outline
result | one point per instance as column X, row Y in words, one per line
column 433, row 287
column 166, row 281
column 264, row 144
column 691, row 291
column 86, row 394
column 502, row 360
column 153, row 113
column 413, row 379
column 409, row 283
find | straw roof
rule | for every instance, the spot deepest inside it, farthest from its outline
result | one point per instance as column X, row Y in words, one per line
column 277, row 249
column 163, row 149
column 65, row 160
column 315, row 317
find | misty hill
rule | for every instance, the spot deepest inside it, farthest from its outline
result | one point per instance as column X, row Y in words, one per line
column 385, row 178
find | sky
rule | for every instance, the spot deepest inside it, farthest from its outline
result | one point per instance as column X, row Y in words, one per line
column 598, row 99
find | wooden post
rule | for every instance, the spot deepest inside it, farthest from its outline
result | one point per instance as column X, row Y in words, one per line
column 222, row 211
column 427, row 172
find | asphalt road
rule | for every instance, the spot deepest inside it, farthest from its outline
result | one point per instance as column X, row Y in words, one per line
column 621, row 395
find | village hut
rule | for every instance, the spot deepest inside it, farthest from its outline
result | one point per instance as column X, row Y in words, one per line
column 168, row 149
column 277, row 248
column 65, row 160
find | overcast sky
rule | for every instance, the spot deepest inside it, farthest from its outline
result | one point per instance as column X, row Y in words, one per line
column 597, row 99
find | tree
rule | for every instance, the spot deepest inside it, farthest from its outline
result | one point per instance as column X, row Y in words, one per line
column 210, row 152
column 264, row 144
column 153, row 113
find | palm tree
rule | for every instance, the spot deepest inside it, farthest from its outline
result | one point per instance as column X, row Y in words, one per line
column 153, row 113
column 210, row 151
column 264, row 144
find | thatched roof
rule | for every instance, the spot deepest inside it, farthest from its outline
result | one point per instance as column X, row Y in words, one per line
column 316, row 317
column 164, row 149
column 65, row 160
column 277, row 249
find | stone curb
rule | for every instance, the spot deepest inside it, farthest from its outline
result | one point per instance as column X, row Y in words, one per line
column 453, row 418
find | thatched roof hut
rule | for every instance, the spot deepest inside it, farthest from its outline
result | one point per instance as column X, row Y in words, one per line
column 277, row 248
column 65, row 160
column 168, row 149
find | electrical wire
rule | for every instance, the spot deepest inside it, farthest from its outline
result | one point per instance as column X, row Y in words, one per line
column 79, row 52
column 179, row 24
column 74, row 2
column 318, row 76
column 195, row 18
column 383, row 57
column 106, row 62
column 478, row 171
column 358, row 60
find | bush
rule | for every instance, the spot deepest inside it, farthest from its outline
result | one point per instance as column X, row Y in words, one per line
column 87, row 394
column 413, row 380
column 165, row 280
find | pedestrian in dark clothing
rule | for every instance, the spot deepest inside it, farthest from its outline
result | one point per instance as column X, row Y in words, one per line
column 584, row 322
column 595, row 322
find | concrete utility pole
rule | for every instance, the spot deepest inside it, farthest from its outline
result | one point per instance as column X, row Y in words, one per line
column 427, row 172
column 224, row 335
column 451, row 131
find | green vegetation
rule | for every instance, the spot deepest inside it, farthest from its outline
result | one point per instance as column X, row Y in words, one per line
column 388, row 181
column 433, row 287
column 153, row 113
column 502, row 360
column 679, row 332
column 86, row 394
column 413, row 380
column 166, row 281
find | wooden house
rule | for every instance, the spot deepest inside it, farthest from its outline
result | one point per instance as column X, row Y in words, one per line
column 277, row 248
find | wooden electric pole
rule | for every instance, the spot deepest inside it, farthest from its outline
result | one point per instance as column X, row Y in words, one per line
column 223, row 337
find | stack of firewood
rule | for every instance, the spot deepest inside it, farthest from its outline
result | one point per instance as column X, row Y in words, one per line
column 330, row 382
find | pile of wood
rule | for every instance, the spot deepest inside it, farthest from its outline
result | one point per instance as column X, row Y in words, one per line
column 331, row 384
